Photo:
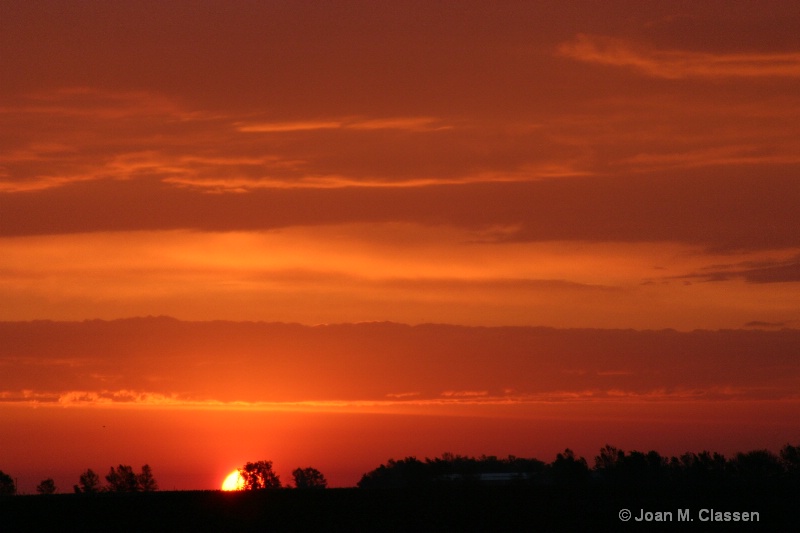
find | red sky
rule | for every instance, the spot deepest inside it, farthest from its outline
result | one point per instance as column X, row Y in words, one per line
column 622, row 166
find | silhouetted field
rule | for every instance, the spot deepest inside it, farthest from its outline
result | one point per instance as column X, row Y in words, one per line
column 589, row 507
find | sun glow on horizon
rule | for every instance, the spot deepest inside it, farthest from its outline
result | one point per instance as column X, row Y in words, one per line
column 234, row 481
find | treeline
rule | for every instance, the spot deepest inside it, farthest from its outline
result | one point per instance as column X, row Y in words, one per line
column 259, row 475
column 256, row 475
column 612, row 466
column 119, row 479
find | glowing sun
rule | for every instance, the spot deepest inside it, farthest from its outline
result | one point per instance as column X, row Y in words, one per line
column 234, row 481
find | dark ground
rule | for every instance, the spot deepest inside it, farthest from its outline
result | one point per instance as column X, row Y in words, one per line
column 477, row 508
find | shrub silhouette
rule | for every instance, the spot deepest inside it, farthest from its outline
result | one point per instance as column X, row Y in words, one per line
column 309, row 478
column 7, row 486
column 47, row 486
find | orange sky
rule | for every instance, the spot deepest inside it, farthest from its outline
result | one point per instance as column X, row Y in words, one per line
column 624, row 165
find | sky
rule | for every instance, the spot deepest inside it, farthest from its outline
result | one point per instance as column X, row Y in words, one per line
column 615, row 174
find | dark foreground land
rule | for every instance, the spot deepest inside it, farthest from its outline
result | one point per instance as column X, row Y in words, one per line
column 506, row 508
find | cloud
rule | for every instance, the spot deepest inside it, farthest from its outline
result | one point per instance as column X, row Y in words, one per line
column 468, row 284
column 82, row 102
column 714, row 156
column 399, row 395
column 240, row 185
column 124, row 396
column 28, row 396
column 677, row 64
column 84, row 134
column 79, row 134
column 764, row 324
column 415, row 124
column 787, row 271
column 40, row 184
column 725, row 210
column 223, row 363
column 465, row 393
column 408, row 402
column 278, row 127
column 420, row 124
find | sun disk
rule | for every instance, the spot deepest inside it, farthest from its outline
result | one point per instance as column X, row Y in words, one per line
column 234, row 481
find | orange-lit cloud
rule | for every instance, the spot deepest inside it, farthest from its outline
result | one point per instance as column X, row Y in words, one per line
column 239, row 185
column 288, row 126
column 449, row 402
column 764, row 271
column 356, row 273
column 408, row 124
column 728, row 156
column 450, row 366
column 675, row 64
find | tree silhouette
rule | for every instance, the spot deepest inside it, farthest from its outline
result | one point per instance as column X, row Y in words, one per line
column 408, row 472
column 47, row 486
column 7, row 486
column 568, row 469
column 122, row 479
column 309, row 478
column 790, row 456
column 758, row 465
column 704, row 467
column 609, row 458
column 456, row 469
column 147, row 482
column 259, row 475
column 89, row 483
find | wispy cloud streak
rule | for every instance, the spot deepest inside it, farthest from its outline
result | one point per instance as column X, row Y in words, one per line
column 127, row 398
column 676, row 64
column 416, row 124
